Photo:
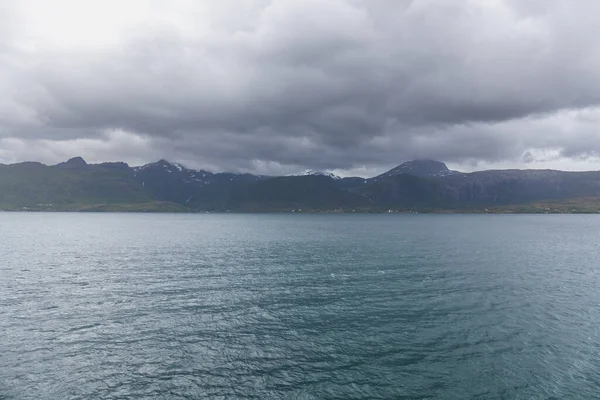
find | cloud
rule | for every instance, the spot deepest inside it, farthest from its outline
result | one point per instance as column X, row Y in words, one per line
column 285, row 85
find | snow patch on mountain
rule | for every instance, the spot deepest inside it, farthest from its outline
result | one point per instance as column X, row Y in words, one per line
column 310, row 172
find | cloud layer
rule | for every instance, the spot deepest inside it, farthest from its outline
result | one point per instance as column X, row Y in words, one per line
column 283, row 85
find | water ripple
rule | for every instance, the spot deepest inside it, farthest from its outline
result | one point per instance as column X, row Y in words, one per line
column 301, row 307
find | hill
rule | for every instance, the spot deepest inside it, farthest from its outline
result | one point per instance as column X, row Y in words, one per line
column 73, row 185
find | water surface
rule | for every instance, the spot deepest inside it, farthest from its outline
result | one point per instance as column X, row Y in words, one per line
column 137, row 306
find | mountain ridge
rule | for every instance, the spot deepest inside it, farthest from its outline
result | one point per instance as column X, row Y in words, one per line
column 422, row 185
column 306, row 172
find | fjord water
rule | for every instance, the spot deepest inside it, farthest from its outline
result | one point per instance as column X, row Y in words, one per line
column 136, row 306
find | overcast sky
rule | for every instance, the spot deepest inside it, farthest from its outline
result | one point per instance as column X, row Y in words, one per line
column 279, row 86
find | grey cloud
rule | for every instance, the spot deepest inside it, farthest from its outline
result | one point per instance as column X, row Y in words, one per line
column 312, row 84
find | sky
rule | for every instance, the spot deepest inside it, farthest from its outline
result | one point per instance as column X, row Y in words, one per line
column 280, row 86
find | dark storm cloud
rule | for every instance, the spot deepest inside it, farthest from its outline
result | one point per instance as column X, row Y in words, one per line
column 315, row 84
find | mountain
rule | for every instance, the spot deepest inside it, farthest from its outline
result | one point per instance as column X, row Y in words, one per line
column 419, row 185
column 195, row 189
column 75, row 162
column 450, row 189
column 310, row 192
column 420, row 168
column 406, row 191
column 203, row 190
column 68, row 186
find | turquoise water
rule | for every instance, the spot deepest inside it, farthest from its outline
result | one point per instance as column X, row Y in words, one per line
column 137, row 306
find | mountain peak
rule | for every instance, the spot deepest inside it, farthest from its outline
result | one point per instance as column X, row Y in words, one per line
column 75, row 162
column 432, row 165
column 162, row 163
column 421, row 168
column 310, row 172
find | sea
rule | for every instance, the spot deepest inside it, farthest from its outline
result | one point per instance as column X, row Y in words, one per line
column 299, row 306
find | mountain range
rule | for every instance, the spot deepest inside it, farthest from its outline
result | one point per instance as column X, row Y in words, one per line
column 417, row 186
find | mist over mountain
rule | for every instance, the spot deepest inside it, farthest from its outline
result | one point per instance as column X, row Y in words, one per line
column 418, row 185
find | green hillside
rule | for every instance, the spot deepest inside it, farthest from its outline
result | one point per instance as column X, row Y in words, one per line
column 34, row 186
